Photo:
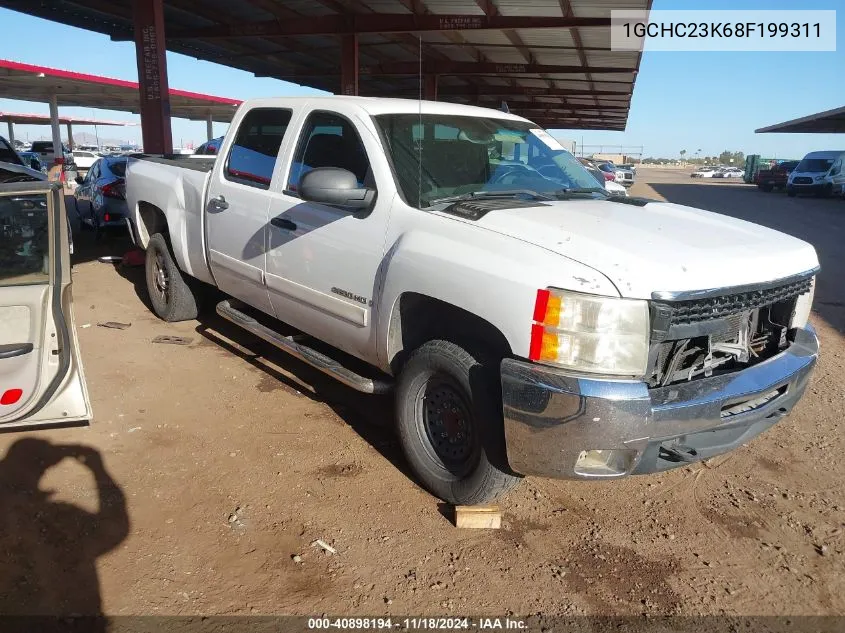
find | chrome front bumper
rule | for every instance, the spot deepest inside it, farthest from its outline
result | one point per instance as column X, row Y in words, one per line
column 576, row 427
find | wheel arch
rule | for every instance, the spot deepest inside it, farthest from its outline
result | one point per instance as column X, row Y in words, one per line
column 417, row 318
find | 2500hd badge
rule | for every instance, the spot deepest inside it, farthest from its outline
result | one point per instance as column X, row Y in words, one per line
column 352, row 295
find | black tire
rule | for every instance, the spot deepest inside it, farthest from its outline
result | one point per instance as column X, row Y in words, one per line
column 171, row 297
column 766, row 188
column 473, row 469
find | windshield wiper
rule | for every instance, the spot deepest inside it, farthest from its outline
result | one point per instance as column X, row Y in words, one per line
column 578, row 190
column 486, row 195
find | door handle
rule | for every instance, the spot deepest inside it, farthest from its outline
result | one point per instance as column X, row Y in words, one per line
column 15, row 349
column 283, row 223
column 218, row 203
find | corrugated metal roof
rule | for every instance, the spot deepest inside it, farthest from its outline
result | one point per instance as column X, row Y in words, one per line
column 545, row 8
column 499, row 63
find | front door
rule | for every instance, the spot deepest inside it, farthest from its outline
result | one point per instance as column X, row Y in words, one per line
column 237, row 203
column 323, row 261
column 41, row 380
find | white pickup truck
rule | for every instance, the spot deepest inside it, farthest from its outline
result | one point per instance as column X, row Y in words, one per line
column 528, row 323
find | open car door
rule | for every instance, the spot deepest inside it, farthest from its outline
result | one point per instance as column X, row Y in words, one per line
column 41, row 380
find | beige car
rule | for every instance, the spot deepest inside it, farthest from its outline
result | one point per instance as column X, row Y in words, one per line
column 41, row 379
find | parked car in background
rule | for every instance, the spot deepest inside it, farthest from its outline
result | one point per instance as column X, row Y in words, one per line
column 703, row 172
column 209, row 148
column 14, row 166
column 624, row 176
column 630, row 167
column 612, row 187
column 44, row 149
column 608, row 170
column 728, row 172
column 32, row 160
column 84, row 159
column 42, row 379
column 101, row 194
column 811, row 174
column 776, row 177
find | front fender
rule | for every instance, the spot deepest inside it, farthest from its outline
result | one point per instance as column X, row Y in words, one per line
column 492, row 276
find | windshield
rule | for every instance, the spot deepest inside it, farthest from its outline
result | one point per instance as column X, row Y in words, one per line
column 438, row 156
column 814, row 165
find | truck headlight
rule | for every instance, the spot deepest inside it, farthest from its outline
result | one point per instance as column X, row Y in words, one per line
column 590, row 333
column 802, row 307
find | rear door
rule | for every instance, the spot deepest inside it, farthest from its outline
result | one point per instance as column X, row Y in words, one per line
column 41, row 379
column 238, row 200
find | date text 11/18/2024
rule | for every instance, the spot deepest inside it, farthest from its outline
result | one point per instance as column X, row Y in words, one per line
column 418, row 624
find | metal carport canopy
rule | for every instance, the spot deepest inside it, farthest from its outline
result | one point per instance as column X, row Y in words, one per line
column 44, row 119
column 12, row 118
column 28, row 82
column 830, row 121
column 551, row 58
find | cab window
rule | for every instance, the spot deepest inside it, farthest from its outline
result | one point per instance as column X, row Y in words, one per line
column 328, row 140
column 252, row 157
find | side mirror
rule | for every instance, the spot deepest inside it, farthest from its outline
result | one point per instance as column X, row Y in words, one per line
column 335, row 186
column 79, row 180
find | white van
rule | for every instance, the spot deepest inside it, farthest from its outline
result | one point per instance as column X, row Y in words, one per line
column 812, row 175
column 836, row 177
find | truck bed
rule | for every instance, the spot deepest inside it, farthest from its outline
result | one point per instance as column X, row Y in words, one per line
column 171, row 186
column 185, row 161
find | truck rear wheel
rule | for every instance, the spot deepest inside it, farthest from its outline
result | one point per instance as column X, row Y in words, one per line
column 448, row 411
column 171, row 297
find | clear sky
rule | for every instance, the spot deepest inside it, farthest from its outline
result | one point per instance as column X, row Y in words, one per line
column 696, row 100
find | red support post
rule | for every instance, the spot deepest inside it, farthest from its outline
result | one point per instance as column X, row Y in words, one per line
column 430, row 88
column 152, row 76
column 349, row 64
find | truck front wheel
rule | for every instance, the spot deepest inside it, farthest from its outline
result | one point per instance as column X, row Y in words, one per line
column 449, row 417
column 171, row 297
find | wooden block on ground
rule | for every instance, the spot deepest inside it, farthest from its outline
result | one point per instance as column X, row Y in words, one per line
column 486, row 517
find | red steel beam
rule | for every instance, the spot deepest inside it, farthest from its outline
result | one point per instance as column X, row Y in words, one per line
column 445, row 67
column 568, row 125
column 152, row 76
column 430, row 87
column 498, row 91
column 530, row 102
column 569, row 112
column 349, row 64
column 382, row 23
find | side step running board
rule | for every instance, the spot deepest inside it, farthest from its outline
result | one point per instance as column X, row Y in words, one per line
column 304, row 353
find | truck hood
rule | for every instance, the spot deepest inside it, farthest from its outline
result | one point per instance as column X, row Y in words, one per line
column 14, row 171
column 659, row 246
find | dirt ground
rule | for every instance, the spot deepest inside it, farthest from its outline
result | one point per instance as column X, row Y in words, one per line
column 224, row 460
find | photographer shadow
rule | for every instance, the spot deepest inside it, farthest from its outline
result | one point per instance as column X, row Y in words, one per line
column 48, row 548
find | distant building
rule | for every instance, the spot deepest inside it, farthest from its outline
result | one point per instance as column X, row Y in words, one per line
column 618, row 159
